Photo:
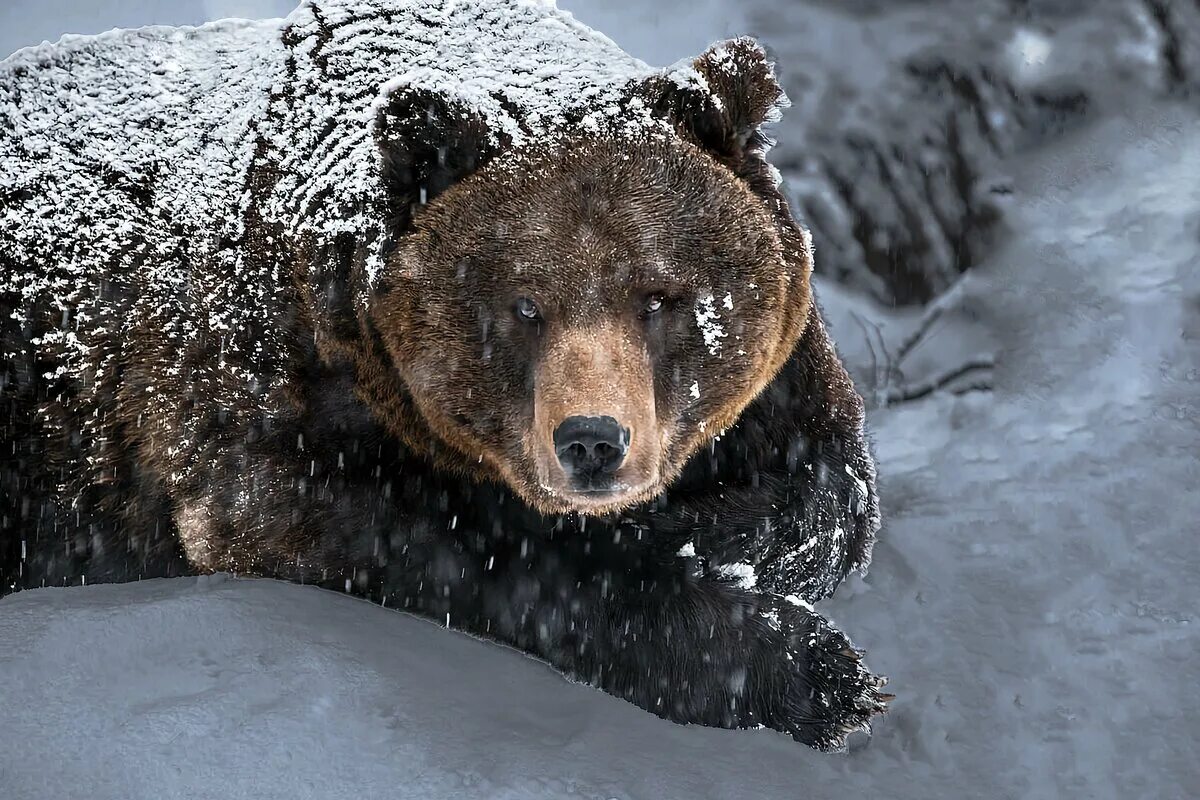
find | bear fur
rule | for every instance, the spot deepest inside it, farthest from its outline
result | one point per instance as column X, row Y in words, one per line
column 257, row 315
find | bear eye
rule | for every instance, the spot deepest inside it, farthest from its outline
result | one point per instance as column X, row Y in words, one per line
column 654, row 304
column 528, row 310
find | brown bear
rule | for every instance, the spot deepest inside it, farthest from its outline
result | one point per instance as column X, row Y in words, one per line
column 456, row 306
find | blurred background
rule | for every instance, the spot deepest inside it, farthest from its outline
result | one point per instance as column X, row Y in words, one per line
column 1005, row 201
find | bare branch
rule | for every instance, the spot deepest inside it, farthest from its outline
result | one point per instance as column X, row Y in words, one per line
column 933, row 312
column 891, row 365
column 876, row 386
column 904, row 394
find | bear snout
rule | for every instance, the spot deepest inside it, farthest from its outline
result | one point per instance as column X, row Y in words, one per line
column 594, row 443
column 590, row 450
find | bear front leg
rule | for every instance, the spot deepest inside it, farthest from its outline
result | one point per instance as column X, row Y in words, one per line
column 797, row 532
column 693, row 649
column 708, row 653
column 818, row 690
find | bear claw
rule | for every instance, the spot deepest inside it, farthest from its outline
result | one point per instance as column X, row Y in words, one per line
column 832, row 694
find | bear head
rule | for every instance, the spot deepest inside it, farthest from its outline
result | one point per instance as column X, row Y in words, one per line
column 578, row 317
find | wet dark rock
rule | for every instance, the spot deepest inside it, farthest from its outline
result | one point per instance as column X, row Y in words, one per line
column 905, row 115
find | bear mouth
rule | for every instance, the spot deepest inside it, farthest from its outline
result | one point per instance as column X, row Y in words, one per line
column 596, row 499
column 600, row 492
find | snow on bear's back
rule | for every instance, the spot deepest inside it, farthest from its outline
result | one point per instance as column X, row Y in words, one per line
column 146, row 140
column 98, row 133
column 520, row 65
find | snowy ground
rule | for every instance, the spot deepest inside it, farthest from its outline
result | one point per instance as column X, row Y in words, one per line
column 1033, row 595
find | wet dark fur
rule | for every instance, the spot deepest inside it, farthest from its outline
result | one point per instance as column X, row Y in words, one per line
column 607, row 600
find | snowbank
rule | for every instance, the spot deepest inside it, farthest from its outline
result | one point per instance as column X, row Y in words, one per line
column 226, row 688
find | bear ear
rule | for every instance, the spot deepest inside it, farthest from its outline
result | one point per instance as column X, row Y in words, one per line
column 427, row 144
column 742, row 95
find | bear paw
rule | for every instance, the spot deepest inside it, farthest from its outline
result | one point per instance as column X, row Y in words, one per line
column 830, row 693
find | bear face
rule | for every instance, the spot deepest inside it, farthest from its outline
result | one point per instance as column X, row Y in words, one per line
column 621, row 303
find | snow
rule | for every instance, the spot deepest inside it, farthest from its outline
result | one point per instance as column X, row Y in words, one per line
column 740, row 574
column 520, row 65
column 1030, row 50
column 708, row 320
column 1032, row 597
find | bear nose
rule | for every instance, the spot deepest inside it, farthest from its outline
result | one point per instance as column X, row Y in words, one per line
column 590, row 447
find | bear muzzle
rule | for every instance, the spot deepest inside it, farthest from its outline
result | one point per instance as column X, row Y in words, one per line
column 594, row 442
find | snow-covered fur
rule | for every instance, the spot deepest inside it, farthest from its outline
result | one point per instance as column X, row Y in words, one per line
column 198, row 230
column 133, row 152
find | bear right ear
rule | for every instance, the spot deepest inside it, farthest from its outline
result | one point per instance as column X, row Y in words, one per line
column 742, row 95
column 427, row 144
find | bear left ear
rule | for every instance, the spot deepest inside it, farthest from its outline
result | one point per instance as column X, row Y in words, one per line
column 427, row 144
column 742, row 95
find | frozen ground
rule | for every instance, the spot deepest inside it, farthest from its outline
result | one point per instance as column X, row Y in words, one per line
column 1033, row 596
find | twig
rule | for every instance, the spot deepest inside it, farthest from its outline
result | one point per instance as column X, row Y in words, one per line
column 876, row 386
column 904, row 394
column 933, row 312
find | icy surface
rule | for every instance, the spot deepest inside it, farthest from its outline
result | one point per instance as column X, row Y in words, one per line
column 1033, row 595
